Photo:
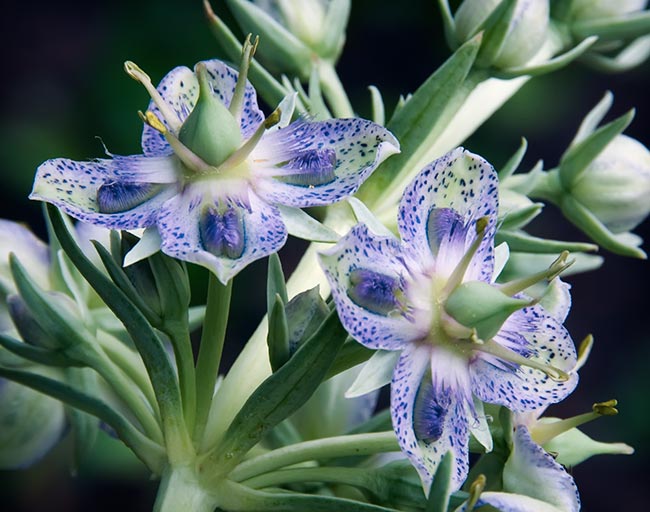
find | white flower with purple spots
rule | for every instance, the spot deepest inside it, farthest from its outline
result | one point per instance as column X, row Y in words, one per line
column 216, row 182
column 397, row 295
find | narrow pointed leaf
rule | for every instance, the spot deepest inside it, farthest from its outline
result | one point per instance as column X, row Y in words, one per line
column 351, row 354
column 625, row 27
column 575, row 161
column 550, row 65
column 377, row 102
column 365, row 216
column 84, row 426
column 281, row 394
column 448, row 23
column 513, row 162
column 275, row 283
column 593, row 118
column 633, row 55
column 336, row 19
column 278, row 336
column 303, row 225
column 519, row 241
column 520, row 218
column 35, row 354
column 440, row 490
column 496, row 28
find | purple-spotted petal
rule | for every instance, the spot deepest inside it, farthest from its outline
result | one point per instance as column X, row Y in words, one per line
column 531, row 471
column 366, row 273
column 223, row 233
column 180, row 90
column 310, row 164
column 534, row 334
column 439, row 209
column 124, row 192
column 505, row 502
column 428, row 420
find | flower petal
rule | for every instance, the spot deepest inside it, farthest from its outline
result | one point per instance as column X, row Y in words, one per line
column 428, row 421
column 531, row 471
column 223, row 232
column 459, row 182
column 124, row 192
column 505, row 502
column 180, row 89
column 366, row 275
column 310, row 164
column 536, row 335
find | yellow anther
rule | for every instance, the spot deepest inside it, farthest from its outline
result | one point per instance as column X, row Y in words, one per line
column 152, row 120
column 475, row 491
column 607, row 408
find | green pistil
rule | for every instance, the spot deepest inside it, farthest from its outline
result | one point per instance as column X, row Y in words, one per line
column 557, row 267
column 459, row 272
column 247, row 53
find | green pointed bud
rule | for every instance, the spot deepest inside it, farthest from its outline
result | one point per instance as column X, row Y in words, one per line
column 30, row 424
column 210, row 131
column 514, row 30
column 483, row 307
column 598, row 9
column 305, row 312
column 29, row 329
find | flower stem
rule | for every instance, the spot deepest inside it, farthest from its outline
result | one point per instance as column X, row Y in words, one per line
column 340, row 446
column 356, row 477
column 180, row 338
column 333, row 89
column 212, row 339
column 180, row 491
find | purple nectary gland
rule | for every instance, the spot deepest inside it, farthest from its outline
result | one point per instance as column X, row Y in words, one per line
column 222, row 234
column 117, row 197
column 429, row 411
column 373, row 291
column 310, row 168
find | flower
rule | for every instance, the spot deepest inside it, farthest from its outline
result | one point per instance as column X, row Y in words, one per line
column 215, row 176
column 431, row 296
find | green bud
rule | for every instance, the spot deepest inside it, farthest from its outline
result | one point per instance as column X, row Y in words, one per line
column 30, row 424
column 29, row 329
column 210, row 131
column 512, row 35
column 615, row 187
column 481, row 306
column 596, row 9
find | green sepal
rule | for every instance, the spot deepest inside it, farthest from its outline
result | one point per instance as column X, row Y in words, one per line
column 440, row 489
column 336, row 19
column 516, row 210
column 267, row 87
column 633, row 55
column 63, row 329
column 317, row 107
column 421, row 119
column 210, row 121
column 625, row 244
column 363, row 215
column 578, row 157
column 84, row 426
column 278, row 335
column 376, row 373
column 495, row 31
column 482, row 306
column 351, row 354
column 524, row 183
column 149, row 452
column 136, row 287
column 36, row 354
column 173, row 286
column 514, row 161
column 519, row 241
column 279, row 395
column 302, row 225
column 377, row 103
column 448, row 23
column 305, row 313
column 549, row 66
column 593, row 118
column 280, row 48
column 148, row 344
column 275, row 283
column 625, row 27
column 524, row 264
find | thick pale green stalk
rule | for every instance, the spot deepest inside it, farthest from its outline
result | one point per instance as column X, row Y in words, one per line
column 333, row 90
column 356, row 477
column 340, row 446
column 212, row 339
column 180, row 338
column 180, row 491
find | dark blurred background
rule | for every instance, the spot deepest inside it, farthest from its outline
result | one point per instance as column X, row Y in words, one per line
column 63, row 93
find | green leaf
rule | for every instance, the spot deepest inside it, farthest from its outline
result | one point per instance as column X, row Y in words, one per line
column 352, row 353
column 267, row 86
column 148, row 344
column 280, row 47
column 577, row 158
column 513, row 162
column 517, row 219
column 278, row 336
column 149, row 452
column 519, row 241
column 380, row 422
column 336, row 19
column 378, row 111
column 305, row 313
column 593, row 119
column 275, row 283
column 626, row 27
column 280, row 395
column 633, row 55
column 36, row 354
column 419, row 122
column 440, row 490
column 84, row 426
column 550, row 65
column 448, row 23
column 495, row 31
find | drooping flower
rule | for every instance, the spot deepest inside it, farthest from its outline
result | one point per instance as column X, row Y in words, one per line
column 216, row 178
column 431, row 296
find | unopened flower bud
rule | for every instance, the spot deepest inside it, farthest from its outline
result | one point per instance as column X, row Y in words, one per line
column 595, row 9
column 512, row 45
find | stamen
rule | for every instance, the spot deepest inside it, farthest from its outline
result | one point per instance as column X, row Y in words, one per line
column 168, row 113
column 247, row 53
column 584, row 349
column 192, row 161
column 544, row 432
column 459, row 272
column 242, row 153
column 475, row 491
column 556, row 268
column 495, row 349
